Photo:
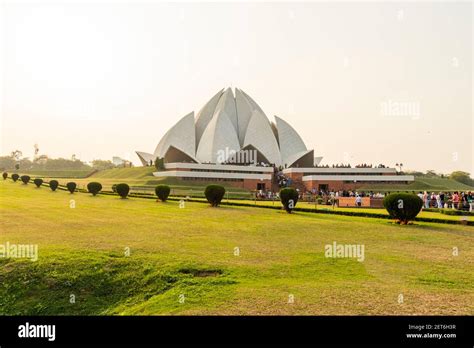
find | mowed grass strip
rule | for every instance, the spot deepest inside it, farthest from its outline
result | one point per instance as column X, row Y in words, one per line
column 226, row 260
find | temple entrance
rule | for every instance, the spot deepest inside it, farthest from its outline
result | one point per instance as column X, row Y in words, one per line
column 323, row 187
column 261, row 186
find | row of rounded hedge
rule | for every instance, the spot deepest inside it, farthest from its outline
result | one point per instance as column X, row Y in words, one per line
column 162, row 191
column 449, row 211
column 403, row 207
column 213, row 193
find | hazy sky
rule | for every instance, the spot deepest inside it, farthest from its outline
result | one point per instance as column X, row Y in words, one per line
column 361, row 82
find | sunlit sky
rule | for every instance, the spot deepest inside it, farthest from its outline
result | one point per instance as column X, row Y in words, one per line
column 103, row 80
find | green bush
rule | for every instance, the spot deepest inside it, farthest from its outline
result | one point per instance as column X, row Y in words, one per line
column 15, row 177
column 403, row 207
column 25, row 179
column 162, row 192
column 38, row 182
column 122, row 190
column 114, row 188
column 53, row 185
column 71, row 186
column 456, row 212
column 432, row 210
column 5, row 175
column 289, row 198
column 94, row 187
column 214, row 194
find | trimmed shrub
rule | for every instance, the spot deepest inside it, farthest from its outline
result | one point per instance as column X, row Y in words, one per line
column 15, row 177
column 456, row 212
column 53, row 185
column 403, row 207
column 25, row 179
column 5, row 175
column 114, row 188
column 38, row 182
column 162, row 192
column 94, row 187
column 214, row 194
column 122, row 190
column 433, row 210
column 289, row 198
column 71, row 186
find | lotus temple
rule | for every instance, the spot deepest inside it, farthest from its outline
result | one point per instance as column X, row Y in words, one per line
column 231, row 140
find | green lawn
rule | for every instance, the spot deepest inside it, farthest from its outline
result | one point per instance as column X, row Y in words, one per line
column 182, row 260
column 126, row 173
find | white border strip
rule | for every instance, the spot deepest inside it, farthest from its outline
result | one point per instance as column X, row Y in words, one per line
column 214, row 175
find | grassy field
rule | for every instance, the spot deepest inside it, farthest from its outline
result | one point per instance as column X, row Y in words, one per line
column 182, row 261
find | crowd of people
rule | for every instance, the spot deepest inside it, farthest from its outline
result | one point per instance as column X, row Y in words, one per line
column 262, row 194
column 347, row 193
column 455, row 200
column 282, row 180
column 342, row 165
column 445, row 200
column 365, row 165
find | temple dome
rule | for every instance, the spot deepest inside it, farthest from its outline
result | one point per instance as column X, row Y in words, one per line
column 230, row 123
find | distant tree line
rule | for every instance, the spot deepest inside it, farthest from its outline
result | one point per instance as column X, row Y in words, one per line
column 459, row 176
column 462, row 177
column 44, row 163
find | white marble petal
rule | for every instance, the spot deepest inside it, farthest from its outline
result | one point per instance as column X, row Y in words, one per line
column 204, row 116
column 291, row 143
column 244, row 112
column 145, row 157
column 182, row 136
column 220, row 137
column 226, row 106
column 260, row 135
